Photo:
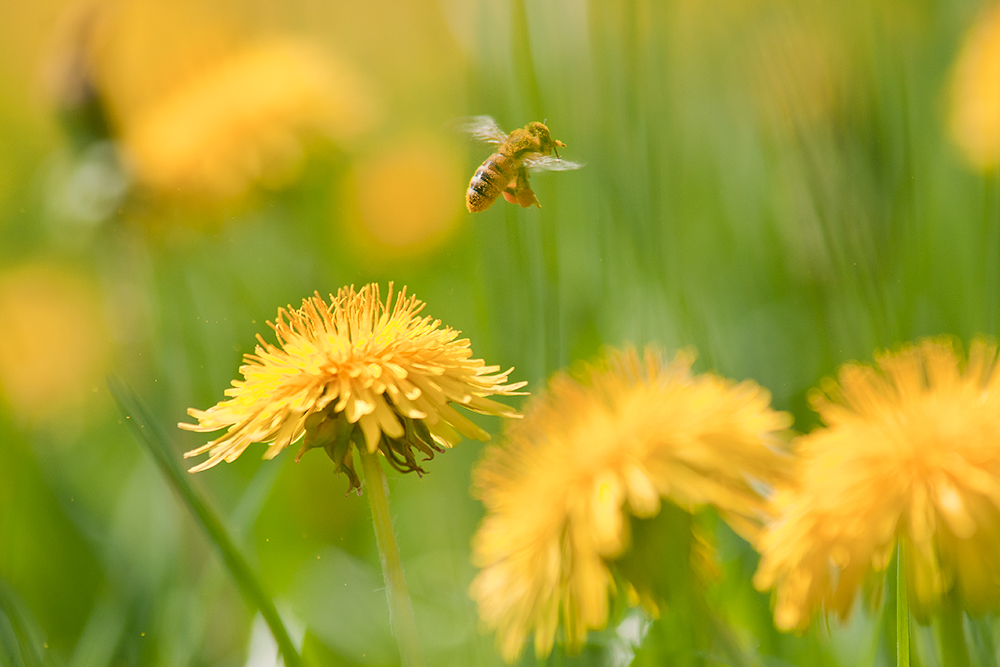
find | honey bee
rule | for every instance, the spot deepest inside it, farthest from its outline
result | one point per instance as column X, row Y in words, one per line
column 530, row 148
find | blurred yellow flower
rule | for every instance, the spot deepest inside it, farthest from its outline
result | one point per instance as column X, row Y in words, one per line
column 242, row 119
column 626, row 434
column 911, row 452
column 56, row 344
column 355, row 372
column 975, row 93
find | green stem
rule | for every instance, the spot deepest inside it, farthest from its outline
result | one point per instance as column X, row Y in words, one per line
column 950, row 632
column 404, row 626
column 148, row 432
column 902, row 612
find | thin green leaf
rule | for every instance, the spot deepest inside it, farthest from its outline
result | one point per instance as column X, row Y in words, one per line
column 902, row 611
column 151, row 436
column 25, row 642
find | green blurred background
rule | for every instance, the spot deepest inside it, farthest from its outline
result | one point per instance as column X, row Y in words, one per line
column 771, row 182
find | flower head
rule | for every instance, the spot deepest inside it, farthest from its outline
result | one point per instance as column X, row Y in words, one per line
column 243, row 119
column 355, row 372
column 590, row 452
column 911, row 453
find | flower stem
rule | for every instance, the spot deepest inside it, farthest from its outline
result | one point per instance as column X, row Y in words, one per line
column 404, row 626
column 951, row 634
column 902, row 612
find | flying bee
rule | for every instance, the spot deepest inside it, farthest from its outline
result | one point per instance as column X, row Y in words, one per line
column 530, row 148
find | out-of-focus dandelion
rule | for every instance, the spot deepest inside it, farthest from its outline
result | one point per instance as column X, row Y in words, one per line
column 56, row 343
column 974, row 118
column 589, row 453
column 359, row 372
column 910, row 454
column 243, row 120
column 401, row 200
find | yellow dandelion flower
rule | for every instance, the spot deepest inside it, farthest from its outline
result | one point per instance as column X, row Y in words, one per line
column 975, row 96
column 590, row 452
column 911, row 452
column 355, row 372
column 242, row 119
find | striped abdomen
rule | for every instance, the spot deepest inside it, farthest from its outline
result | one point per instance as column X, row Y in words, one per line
column 493, row 175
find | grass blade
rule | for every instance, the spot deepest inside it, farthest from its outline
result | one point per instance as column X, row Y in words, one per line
column 902, row 611
column 22, row 640
column 151, row 436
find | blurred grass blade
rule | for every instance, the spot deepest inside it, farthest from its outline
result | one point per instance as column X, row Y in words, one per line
column 22, row 640
column 902, row 611
column 102, row 634
column 949, row 626
column 983, row 646
column 151, row 436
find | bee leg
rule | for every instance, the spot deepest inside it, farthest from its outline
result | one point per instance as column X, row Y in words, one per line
column 523, row 193
column 527, row 198
column 513, row 188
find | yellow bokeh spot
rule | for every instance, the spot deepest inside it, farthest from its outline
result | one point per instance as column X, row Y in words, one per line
column 55, row 341
column 974, row 120
column 406, row 199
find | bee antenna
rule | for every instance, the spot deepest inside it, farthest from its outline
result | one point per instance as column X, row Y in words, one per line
column 545, row 121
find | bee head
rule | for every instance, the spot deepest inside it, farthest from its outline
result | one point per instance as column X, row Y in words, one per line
column 546, row 144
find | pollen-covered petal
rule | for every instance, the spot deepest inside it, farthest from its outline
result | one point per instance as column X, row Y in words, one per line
column 387, row 421
column 643, row 497
column 488, row 407
column 462, row 424
column 371, row 431
column 403, row 405
column 444, row 434
column 606, row 518
column 952, row 507
column 357, row 407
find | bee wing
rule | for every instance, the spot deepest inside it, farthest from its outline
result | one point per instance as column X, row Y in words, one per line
column 483, row 128
column 550, row 163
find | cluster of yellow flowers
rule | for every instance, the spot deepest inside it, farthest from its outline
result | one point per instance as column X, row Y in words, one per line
column 909, row 454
